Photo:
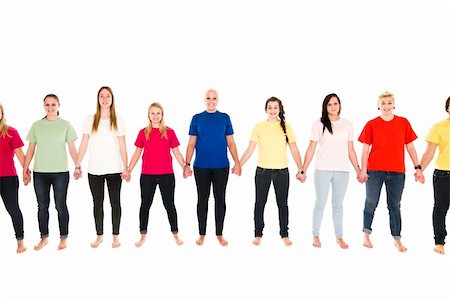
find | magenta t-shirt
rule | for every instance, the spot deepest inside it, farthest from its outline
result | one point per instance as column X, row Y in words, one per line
column 8, row 145
column 156, row 159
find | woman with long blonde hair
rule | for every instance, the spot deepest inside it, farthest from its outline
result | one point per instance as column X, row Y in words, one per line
column 10, row 144
column 157, row 140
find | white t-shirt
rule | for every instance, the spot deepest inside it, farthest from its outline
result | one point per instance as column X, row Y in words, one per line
column 104, row 152
column 333, row 148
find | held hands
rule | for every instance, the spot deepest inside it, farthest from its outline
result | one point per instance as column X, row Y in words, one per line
column 126, row 175
column 187, row 171
column 362, row 176
column 419, row 176
column 237, row 170
column 26, row 176
column 301, row 177
column 77, row 173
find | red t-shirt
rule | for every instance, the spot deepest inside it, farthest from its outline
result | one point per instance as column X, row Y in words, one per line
column 8, row 145
column 388, row 140
column 156, row 159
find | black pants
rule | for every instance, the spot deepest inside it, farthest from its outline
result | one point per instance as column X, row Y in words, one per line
column 203, row 179
column 9, row 191
column 263, row 179
column 97, row 185
column 166, row 184
column 441, row 185
column 42, row 184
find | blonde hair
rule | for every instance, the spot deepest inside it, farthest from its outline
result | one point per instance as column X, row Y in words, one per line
column 162, row 127
column 112, row 118
column 212, row 91
column 3, row 125
column 386, row 94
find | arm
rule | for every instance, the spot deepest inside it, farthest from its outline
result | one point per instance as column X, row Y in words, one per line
column 309, row 154
column 298, row 161
column 134, row 159
column 353, row 158
column 233, row 150
column 364, row 159
column 176, row 152
column 28, row 157
column 425, row 161
column 248, row 152
column 81, row 152
column 73, row 151
column 189, row 153
column 124, row 156
column 20, row 155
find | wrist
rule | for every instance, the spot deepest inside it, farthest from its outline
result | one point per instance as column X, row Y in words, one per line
column 186, row 164
column 418, row 167
column 77, row 167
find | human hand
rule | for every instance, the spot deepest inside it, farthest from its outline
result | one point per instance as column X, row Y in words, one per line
column 126, row 175
column 237, row 170
column 26, row 174
column 301, row 177
column 77, row 173
column 419, row 176
column 187, row 172
column 363, row 177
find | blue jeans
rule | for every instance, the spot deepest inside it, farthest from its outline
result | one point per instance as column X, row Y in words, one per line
column 322, row 181
column 9, row 191
column 395, row 182
column 441, row 186
column 42, row 184
column 263, row 179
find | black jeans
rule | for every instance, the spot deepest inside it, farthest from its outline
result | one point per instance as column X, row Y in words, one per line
column 263, row 179
column 166, row 184
column 97, row 185
column 441, row 185
column 9, row 191
column 42, row 184
column 203, row 179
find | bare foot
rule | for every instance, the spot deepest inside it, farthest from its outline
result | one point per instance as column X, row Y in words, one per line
column 367, row 243
column 41, row 244
column 287, row 241
column 439, row 249
column 20, row 247
column 222, row 241
column 116, row 242
column 141, row 241
column 316, row 242
column 257, row 241
column 177, row 239
column 62, row 244
column 341, row 243
column 200, row 240
column 400, row 246
column 97, row 241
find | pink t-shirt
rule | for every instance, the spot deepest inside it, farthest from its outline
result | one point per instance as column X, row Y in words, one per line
column 156, row 159
column 8, row 145
column 387, row 140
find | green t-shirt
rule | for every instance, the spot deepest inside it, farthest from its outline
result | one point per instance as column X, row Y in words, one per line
column 50, row 138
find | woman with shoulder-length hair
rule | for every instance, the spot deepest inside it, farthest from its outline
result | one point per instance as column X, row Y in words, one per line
column 47, row 139
column 272, row 136
column 10, row 144
column 334, row 135
column 105, row 133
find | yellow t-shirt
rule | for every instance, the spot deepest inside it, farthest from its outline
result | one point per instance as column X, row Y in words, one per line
column 272, row 144
column 440, row 135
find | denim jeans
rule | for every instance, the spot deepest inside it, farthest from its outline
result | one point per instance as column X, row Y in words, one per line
column 9, row 191
column 166, row 184
column 97, row 185
column 441, row 186
column 322, row 181
column 395, row 182
column 263, row 179
column 203, row 179
column 42, row 184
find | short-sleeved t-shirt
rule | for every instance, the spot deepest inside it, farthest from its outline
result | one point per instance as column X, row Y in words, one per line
column 440, row 135
column 388, row 140
column 271, row 142
column 104, row 150
column 332, row 154
column 50, row 138
column 8, row 144
column 156, row 159
column 211, row 130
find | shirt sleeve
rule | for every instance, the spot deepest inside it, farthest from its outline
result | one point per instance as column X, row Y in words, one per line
column 31, row 136
column 350, row 132
column 87, row 125
column 16, row 141
column 229, row 127
column 121, row 129
column 366, row 135
column 433, row 135
column 254, row 136
column 140, row 140
column 316, row 131
column 290, row 133
column 71, row 135
column 410, row 135
column 193, row 127
column 173, row 140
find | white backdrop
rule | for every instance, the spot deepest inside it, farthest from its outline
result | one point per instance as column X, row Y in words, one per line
column 172, row 52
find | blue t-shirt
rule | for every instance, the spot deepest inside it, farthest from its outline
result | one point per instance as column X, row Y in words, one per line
column 211, row 130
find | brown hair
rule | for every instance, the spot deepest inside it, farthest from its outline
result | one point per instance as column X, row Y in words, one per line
column 113, row 117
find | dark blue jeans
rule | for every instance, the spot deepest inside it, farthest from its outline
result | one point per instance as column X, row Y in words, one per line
column 441, row 185
column 9, row 191
column 203, row 179
column 166, row 184
column 395, row 183
column 42, row 184
column 263, row 179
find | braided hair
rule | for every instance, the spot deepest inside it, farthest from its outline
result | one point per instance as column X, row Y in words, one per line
column 325, row 119
column 280, row 115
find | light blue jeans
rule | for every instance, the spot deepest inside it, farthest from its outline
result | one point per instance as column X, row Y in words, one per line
column 322, row 181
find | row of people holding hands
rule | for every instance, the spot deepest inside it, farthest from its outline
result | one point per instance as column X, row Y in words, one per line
column 211, row 132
